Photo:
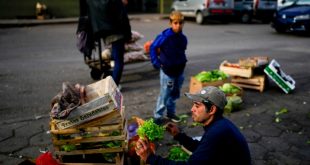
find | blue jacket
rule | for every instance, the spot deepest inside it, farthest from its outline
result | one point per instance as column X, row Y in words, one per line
column 171, row 55
column 221, row 143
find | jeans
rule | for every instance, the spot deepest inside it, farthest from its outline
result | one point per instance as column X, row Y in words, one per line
column 170, row 88
column 118, row 50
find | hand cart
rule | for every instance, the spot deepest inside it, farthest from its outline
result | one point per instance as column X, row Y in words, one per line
column 100, row 68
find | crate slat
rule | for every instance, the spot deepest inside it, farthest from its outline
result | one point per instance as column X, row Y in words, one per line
column 90, row 151
column 88, row 140
column 257, row 82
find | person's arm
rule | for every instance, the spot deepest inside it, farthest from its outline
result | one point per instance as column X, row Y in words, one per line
column 186, row 141
column 154, row 51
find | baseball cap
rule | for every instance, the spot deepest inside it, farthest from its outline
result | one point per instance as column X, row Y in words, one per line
column 209, row 94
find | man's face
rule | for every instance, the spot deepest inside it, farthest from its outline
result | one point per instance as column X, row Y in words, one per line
column 176, row 25
column 199, row 113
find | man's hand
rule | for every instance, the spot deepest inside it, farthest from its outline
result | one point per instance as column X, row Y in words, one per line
column 143, row 149
column 172, row 129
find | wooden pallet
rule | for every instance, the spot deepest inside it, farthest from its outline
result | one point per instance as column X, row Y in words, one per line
column 256, row 82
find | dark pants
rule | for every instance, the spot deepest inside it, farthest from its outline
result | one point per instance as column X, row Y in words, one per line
column 118, row 50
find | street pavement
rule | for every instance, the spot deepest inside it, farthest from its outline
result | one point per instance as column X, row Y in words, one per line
column 270, row 142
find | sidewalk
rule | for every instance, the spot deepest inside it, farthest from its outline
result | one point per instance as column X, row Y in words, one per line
column 32, row 22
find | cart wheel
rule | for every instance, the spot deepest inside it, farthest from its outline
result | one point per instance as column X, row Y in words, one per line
column 106, row 73
column 95, row 74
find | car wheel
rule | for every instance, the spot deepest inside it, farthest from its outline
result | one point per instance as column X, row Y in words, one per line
column 199, row 18
column 246, row 18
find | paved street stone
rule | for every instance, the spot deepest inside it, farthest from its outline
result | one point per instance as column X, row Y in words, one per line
column 36, row 60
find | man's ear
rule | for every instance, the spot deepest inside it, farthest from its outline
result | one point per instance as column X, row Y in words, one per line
column 212, row 110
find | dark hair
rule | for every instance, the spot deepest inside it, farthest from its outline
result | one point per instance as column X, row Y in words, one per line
column 208, row 105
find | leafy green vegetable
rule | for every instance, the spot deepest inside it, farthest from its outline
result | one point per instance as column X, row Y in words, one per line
column 233, row 103
column 229, row 88
column 281, row 111
column 110, row 157
column 68, row 147
column 196, row 124
column 209, row 76
column 112, row 144
column 177, row 154
column 151, row 130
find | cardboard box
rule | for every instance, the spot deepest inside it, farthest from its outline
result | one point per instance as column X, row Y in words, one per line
column 236, row 70
column 284, row 81
column 195, row 85
column 103, row 97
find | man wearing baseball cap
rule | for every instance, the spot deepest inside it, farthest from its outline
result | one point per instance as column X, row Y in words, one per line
column 221, row 142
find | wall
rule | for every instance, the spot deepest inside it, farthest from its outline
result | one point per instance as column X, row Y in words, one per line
column 12, row 9
column 24, row 9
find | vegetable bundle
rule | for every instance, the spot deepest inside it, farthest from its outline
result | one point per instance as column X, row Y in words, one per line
column 229, row 88
column 209, row 76
column 178, row 154
column 151, row 130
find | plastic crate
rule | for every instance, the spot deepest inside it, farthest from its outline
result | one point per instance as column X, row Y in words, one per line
column 284, row 81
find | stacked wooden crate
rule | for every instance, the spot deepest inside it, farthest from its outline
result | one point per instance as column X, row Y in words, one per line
column 94, row 132
column 243, row 73
column 195, row 85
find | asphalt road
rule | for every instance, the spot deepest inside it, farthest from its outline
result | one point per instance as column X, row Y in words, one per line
column 34, row 61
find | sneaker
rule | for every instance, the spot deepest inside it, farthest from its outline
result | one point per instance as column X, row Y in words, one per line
column 174, row 118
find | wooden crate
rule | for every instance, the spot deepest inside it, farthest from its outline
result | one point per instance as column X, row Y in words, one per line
column 254, row 62
column 119, row 160
column 233, row 69
column 195, row 85
column 103, row 97
column 257, row 82
column 92, row 134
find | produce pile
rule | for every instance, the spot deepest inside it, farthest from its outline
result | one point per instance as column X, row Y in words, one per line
column 209, row 76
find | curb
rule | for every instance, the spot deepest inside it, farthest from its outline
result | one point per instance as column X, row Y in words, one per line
column 33, row 22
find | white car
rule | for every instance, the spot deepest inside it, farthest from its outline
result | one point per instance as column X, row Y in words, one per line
column 202, row 9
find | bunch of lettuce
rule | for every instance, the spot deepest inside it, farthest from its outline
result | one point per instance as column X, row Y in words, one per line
column 176, row 153
column 151, row 130
column 233, row 103
column 209, row 76
column 229, row 88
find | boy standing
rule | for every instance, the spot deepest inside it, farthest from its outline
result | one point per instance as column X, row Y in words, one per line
column 168, row 55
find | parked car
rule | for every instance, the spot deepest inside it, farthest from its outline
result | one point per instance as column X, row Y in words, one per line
column 284, row 3
column 246, row 10
column 294, row 18
column 203, row 9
